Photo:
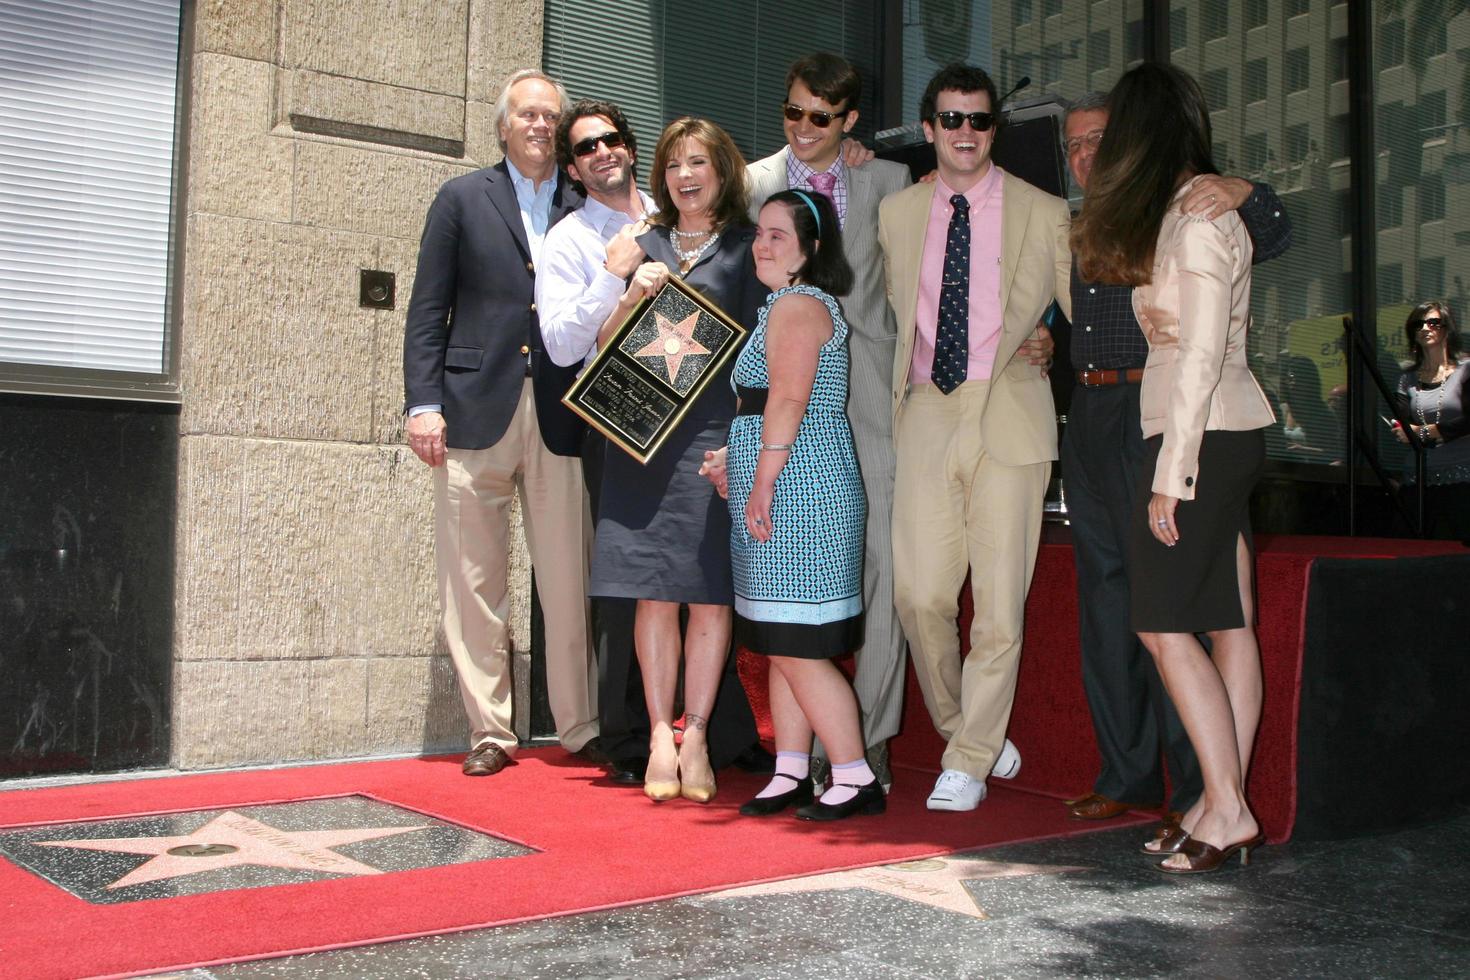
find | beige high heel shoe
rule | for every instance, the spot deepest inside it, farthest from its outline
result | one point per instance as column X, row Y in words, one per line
column 697, row 777
column 661, row 782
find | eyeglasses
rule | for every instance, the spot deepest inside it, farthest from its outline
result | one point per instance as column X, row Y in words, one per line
column 819, row 119
column 611, row 140
column 1431, row 321
column 1076, row 143
column 979, row 121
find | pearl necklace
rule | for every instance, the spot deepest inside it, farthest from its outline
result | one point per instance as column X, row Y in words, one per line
column 688, row 257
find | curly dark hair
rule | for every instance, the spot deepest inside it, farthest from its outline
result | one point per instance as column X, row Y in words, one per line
column 958, row 78
column 583, row 109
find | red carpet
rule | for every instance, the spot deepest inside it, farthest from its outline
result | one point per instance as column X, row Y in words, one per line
column 599, row 846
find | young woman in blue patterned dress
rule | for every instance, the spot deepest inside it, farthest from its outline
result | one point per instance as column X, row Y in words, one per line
column 797, row 508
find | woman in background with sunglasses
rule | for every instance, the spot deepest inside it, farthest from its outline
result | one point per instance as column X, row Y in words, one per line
column 1432, row 397
column 663, row 534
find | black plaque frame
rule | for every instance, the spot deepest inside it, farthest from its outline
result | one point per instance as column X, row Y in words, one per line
column 636, row 396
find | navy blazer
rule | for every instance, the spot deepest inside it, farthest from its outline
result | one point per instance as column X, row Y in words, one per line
column 472, row 317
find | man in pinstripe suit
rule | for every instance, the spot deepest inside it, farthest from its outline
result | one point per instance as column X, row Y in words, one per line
column 821, row 97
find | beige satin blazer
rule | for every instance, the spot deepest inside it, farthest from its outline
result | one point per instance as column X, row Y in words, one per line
column 1195, row 314
column 1019, row 421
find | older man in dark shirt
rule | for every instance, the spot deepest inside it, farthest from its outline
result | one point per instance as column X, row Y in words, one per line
column 1103, row 444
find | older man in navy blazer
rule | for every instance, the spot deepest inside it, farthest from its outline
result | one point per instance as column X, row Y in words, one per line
column 484, row 411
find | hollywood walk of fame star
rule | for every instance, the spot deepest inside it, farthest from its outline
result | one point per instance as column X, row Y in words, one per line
column 233, row 839
column 939, row 882
column 675, row 341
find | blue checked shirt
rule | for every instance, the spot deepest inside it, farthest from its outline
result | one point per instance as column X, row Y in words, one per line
column 798, row 176
column 1106, row 334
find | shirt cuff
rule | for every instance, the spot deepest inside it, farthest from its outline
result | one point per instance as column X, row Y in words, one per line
column 421, row 409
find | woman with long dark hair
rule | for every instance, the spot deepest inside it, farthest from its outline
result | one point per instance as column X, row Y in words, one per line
column 1432, row 395
column 1203, row 415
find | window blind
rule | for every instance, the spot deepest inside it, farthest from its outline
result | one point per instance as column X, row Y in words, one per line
column 87, row 105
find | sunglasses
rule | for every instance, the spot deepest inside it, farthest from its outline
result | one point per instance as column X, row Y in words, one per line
column 588, row 146
column 819, row 119
column 979, row 121
column 1431, row 321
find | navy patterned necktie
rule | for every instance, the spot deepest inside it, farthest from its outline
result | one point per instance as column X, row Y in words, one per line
column 952, row 333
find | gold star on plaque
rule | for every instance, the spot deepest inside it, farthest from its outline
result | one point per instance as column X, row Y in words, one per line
column 675, row 341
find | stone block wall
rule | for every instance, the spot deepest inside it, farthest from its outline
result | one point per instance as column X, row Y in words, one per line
column 306, row 606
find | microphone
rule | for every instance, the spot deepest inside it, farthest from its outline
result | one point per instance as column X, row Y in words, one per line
column 1025, row 80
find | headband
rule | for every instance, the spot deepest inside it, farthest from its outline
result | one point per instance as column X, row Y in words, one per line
column 806, row 199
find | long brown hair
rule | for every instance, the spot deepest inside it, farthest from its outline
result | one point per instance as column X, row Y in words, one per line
column 1158, row 134
column 733, row 203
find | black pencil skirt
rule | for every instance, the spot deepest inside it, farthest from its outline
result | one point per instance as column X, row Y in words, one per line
column 1192, row 587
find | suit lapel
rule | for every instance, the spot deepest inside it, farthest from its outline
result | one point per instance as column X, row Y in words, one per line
column 502, row 195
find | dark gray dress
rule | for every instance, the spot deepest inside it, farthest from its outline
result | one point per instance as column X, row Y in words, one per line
column 662, row 531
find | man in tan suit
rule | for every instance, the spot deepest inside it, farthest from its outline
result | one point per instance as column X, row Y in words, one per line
column 972, row 261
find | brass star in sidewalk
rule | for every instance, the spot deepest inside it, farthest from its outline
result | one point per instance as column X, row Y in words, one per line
column 939, row 882
column 675, row 341
column 233, row 839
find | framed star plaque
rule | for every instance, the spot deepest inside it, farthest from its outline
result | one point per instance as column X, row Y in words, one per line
column 659, row 360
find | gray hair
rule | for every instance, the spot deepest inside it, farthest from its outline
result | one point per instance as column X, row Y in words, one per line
column 502, row 104
column 1086, row 103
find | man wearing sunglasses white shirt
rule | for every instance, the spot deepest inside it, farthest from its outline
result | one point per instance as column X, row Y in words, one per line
column 973, row 260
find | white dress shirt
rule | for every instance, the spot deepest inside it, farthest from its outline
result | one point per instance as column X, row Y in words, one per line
column 574, row 293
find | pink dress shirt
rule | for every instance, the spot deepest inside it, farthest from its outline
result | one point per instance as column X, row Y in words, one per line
column 985, row 265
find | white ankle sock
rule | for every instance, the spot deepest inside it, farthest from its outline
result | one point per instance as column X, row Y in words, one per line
column 791, row 768
column 847, row 779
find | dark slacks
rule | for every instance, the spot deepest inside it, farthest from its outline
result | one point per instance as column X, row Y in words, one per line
column 1132, row 715
column 622, row 710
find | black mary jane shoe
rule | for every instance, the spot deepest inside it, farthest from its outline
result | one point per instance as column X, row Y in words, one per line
column 869, row 801
column 764, row 806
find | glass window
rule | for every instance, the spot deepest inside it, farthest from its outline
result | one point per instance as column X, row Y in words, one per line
column 1216, row 20
column 1133, row 41
column 1256, row 12
column 1390, row 45
column 1432, row 114
column 1021, row 11
column 1255, row 153
column 1390, row 206
column 1051, row 8
column 1295, row 8
column 1340, row 56
column 1390, row 285
column 735, row 67
column 1298, row 143
column 1255, row 80
column 1431, row 277
column 1339, row 132
column 1178, row 28
column 1431, row 197
column 1216, row 86
column 87, row 121
column 1298, row 69
column 1099, row 44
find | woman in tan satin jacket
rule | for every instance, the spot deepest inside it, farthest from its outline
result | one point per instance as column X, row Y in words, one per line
column 1203, row 415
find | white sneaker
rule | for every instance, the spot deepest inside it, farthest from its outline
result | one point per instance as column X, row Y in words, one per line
column 1008, row 763
column 956, row 790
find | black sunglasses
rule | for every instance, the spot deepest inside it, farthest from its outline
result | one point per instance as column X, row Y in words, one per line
column 979, row 121
column 819, row 119
column 611, row 140
column 1431, row 321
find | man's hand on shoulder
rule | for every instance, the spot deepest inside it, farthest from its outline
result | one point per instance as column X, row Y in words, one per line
column 426, row 437
column 1212, row 195
column 624, row 253
column 854, row 154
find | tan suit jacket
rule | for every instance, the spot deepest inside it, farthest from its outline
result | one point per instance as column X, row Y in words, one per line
column 1195, row 313
column 1019, row 424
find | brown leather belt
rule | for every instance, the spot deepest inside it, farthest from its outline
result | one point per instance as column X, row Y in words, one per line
column 1102, row 378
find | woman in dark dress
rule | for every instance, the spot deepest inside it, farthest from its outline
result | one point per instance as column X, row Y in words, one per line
column 663, row 534
column 1434, row 395
column 1203, row 416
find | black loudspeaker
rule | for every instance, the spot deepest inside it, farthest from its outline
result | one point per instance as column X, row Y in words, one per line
column 1029, row 145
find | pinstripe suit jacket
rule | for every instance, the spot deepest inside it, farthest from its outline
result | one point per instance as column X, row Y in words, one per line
column 866, row 307
column 1019, row 421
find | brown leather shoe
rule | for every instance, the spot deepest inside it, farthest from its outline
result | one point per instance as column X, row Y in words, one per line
column 485, row 760
column 1095, row 806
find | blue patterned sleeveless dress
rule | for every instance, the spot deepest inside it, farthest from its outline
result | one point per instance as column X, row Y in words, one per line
column 800, row 594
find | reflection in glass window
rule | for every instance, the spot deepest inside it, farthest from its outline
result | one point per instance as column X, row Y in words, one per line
column 1390, row 45
column 1216, row 86
column 1216, row 20
column 1431, row 197
column 1256, row 12
column 1178, row 28
column 1298, row 69
column 1255, row 80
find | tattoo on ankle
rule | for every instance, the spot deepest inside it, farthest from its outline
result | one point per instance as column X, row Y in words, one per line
column 697, row 722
